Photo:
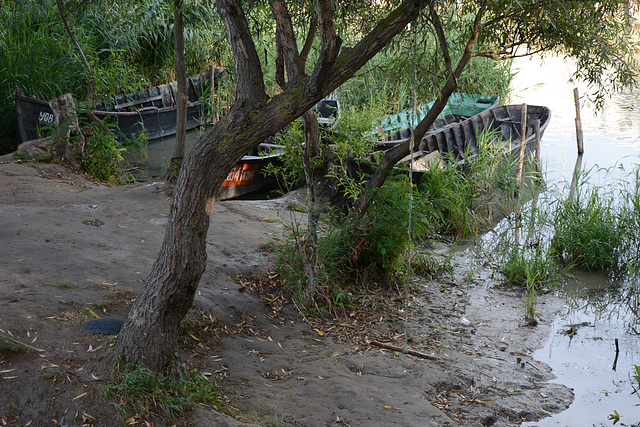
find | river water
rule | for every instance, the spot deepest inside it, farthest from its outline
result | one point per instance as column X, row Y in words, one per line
column 602, row 309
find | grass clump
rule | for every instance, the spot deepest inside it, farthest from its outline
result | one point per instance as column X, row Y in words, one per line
column 356, row 257
column 463, row 200
column 531, row 269
column 143, row 392
column 587, row 232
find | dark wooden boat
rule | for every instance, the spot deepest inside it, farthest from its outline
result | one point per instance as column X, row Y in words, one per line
column 152, row 109
column 501, row 124
column 248, row 175
column 458, row 142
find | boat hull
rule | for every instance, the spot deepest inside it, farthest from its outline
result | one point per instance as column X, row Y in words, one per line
column 459, row 107
column 249, row 174
column 503, row 123
column 153, row 109
column 458, row 142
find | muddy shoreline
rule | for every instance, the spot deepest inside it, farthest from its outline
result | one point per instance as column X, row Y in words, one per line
column 70, row 245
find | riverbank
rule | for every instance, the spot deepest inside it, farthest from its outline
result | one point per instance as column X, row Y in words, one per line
column 73, row 249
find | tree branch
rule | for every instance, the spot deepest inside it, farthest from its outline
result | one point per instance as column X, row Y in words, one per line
column 330, row 43
column 286, row 38
column 313, row 29
column 351, row 60
column 249, row 78
column 394, row 155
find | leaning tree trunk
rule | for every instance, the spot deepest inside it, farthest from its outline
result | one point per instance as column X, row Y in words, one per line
column 394, row 155
column 148, row 334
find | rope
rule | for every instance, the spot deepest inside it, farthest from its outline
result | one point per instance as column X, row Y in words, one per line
column 411, row 144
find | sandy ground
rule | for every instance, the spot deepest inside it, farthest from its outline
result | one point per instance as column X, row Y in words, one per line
column 71, row 249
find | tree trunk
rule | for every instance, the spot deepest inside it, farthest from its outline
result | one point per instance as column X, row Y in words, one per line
column 148, row 334
column 181, row 112
column 307, row 245
column 61, row 150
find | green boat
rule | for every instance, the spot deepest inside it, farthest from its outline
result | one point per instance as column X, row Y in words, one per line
column 459, row 107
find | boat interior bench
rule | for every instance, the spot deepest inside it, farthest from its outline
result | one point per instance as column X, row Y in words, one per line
column 137, row 102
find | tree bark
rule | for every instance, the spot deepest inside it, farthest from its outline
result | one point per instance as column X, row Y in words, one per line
column 148, row 334
column 295, row 63
column 61, row 150
column 307, row 244
column 181, row 112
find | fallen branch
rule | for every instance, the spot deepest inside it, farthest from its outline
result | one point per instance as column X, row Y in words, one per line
column 402, row 350
column 4, row 337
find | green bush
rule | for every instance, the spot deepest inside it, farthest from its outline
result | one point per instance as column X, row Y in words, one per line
column 36, row 57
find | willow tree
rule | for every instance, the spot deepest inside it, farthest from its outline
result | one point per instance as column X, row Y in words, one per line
column 590, row 31
column 148, row 334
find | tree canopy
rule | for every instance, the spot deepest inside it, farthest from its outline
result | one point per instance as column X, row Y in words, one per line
column 592, row 32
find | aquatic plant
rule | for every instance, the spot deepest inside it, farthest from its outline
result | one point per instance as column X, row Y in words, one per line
column 587, row 231
column 531, row 269
column 464, row 200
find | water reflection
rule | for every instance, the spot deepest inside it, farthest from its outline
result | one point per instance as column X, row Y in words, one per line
column 158, row 153
column 600, row 308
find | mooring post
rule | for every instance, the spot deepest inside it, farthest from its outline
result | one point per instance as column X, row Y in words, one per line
column 536, row 129
column 523, row 137
column 576, row 98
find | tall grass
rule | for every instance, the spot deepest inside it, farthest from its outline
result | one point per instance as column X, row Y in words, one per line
column 593, row 229
column 468, row 199
column 35, row 57
column 588, row 231
column 128, row 45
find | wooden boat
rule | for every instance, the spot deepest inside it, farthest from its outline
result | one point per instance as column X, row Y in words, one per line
column 501, row 124
column 152, row 109
column 328, row 112
column 459, row 141
column 459, row 107
column 248, row 175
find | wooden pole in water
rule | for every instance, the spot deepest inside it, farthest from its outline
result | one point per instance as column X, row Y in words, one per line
column 536, row 129
column 576, row 98
column 523, row 136
column 576, row 176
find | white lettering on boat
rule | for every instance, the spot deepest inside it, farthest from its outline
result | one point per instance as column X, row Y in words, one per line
column 46, row 118
column 241, row 175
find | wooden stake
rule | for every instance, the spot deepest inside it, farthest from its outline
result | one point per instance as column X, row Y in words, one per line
column 536, row 129
column 523, row 137
column 576, row 176
column 401, row 350
column 576, row 98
